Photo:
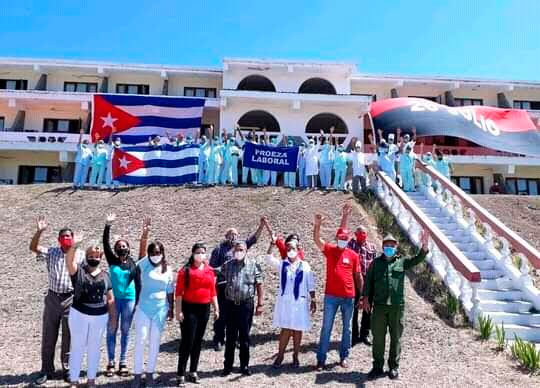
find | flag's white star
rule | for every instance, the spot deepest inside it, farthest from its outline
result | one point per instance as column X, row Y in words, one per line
column 124, row 162
column 108, row 121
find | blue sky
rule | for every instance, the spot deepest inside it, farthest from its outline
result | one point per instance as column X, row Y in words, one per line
column 476, row 38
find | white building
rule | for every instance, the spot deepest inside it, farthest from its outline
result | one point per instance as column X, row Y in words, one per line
column 44, row 103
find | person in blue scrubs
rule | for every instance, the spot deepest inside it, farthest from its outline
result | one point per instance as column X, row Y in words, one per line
column 99, row 164
column 386, row 160
column 326, row 159
column 340, row 168
column 204, row 155
column 406, row 168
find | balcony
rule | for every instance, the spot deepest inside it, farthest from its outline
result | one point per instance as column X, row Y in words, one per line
column 33, row 140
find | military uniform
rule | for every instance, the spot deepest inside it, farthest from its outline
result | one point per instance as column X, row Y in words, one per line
column 384, row 290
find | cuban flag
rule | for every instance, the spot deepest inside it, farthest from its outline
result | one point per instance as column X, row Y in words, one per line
column 156, row 165
column 135, row 118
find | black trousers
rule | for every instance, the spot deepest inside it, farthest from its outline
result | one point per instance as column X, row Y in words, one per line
column 239, row 320
column 221, row 322
column 55, row 315
column 365, row 324
column 192, row 327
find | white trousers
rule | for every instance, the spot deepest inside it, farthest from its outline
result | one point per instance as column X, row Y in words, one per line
column 87, row 332
column 146, row 330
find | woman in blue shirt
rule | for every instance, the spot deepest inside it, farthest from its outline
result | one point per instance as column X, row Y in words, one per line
column 122, row 270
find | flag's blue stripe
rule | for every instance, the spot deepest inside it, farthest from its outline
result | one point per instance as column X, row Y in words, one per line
column 189, row 161
column 167, row 122
column 158, row 180
column 164, row 147
column 171, row 102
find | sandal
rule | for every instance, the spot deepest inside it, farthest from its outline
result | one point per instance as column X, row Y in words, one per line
column 110, row 369
column 277, row 362
column 123, row 370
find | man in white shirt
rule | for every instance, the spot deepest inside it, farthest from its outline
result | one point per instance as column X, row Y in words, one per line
column 358, row 160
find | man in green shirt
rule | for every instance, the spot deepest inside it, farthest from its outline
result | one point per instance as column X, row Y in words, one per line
column 383, row 295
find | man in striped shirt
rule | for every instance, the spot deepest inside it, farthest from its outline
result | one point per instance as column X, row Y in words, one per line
column 366, row 251
column 57, row 301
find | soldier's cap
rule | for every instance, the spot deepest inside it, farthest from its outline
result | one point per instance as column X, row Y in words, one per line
column 389, row 237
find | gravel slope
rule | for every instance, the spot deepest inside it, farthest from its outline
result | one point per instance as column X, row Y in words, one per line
column 434, row 354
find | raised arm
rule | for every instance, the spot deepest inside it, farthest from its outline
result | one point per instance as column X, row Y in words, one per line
column 319, row 242
column 237, row 129
column 71, row 263
column 347, row 210
column 144, row 237
column 34, row 243
column 253, row 239
column 109, row 253
column 331, row 137
column 413, row 134
column 80, row 135
column 265, row 135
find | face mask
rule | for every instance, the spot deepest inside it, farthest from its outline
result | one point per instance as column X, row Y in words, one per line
column 361, row 237
column 231, row 142
column 65, row 242
column 311, row 145
column 156, row 259
column 407, row 151
column 292, row 254
column 216, row 139
column 93, row 262
column 440, row 157
column 117, row 143
column 122, row 252
column 199, row 256
column 342, row 244
column 389, row 251
column 239, row 255
column 382, row 150
column 340, row 150
column 428, row 158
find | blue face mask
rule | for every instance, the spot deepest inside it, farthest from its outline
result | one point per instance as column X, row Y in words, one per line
column 389, row 251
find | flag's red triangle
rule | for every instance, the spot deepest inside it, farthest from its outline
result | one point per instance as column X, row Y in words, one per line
column 107, row 119
column 123, row 163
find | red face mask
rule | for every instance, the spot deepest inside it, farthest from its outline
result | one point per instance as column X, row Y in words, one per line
column 361, row 237
column 65, row 242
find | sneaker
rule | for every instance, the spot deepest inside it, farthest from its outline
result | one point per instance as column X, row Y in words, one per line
column 192, row 377
column 137, row 381
column 109, row 372
column 393, row 374
column 180, row 381
column 344, row 364
column 42, row 379
column 375, row 373
column 245, row 371
column 226, row 372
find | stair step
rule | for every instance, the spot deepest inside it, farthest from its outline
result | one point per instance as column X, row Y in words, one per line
column 495, row 284
column 503, row 295
column 491, row 274
column 476, row 256
column 484, row 264
column 525, row 332
column 503, row 317
column 468, row 247
column 515, row 306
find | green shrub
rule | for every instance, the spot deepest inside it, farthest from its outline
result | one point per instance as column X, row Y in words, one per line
column 500, row 335
column 516, row 260
column 526, row 354
column 485, row 325
column 452, row 305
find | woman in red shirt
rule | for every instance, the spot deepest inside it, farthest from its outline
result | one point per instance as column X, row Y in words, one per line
column 195, row 290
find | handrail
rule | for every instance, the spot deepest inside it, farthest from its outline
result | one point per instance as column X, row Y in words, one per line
column 518, row 243
column 459, row 261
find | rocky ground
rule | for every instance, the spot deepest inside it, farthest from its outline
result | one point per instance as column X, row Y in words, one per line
column 434, row 354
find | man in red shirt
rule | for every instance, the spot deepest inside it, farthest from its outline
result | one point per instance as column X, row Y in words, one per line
column 343, row 278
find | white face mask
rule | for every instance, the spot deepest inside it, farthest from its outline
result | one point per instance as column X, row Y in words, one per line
column 239, row 255
column 342, row 244
column 292, row 254
column 199, row 256
column 156, row 259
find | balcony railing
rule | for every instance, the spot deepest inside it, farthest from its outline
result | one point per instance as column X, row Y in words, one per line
column 30, row 136
column 455, row 151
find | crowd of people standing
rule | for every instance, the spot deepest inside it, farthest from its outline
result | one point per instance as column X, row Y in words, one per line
column 89, row 301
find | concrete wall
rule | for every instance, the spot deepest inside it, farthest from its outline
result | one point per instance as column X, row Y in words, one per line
column 487, row 172
column 11, row 160
column 177, row 83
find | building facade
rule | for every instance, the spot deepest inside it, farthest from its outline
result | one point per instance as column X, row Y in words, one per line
column 45, row 103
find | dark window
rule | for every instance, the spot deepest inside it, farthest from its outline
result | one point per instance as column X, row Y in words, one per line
column 468, row 101
column 434, row 99
column 317, row 86
column 62, row 125
column 529, row 105
column 372, row 96
column 257, row 83
column 14, row 84
column 132, row 89
column 39, row 174
column 85, row 87
column 2, row 123
column 190, row 91
column 470, row 184
column 522, row 186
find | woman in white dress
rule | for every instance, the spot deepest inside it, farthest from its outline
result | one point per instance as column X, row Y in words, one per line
column 292, row 309
column 312, row 163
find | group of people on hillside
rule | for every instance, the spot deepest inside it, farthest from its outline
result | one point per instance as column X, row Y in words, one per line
column 321, row 163
column 88, row 301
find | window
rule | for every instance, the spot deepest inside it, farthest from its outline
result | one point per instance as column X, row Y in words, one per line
column 468, row 101
column 529, row 105
column 372, row 96
column 14, row 84
column 62, row 125
column 470, row 184
column 200, row 92
column 132, row 89
column 39, row 174
column 522, row 186
column 84, row 87
column 2, row 123
column 434, row 99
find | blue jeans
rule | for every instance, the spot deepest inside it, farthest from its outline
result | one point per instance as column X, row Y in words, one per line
column 125, row 309
column 331, row 304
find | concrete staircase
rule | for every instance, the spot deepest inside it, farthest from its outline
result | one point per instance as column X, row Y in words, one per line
column 498, row 296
